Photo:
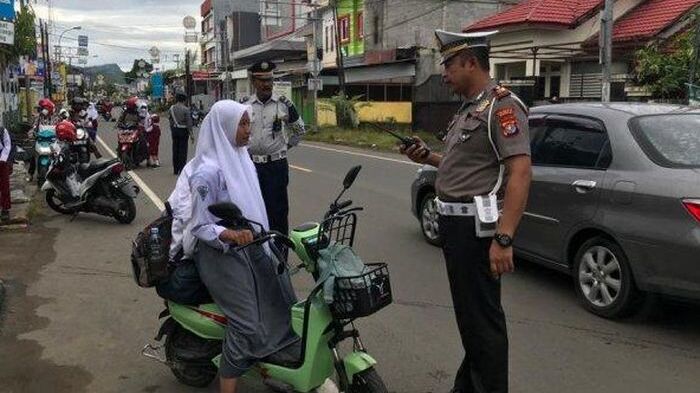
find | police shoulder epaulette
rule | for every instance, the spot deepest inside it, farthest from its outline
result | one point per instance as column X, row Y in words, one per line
column 501, row 92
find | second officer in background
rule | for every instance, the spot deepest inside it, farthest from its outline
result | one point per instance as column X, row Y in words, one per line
column 275, row 127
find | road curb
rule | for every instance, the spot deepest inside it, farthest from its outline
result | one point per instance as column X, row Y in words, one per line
column 2, row 295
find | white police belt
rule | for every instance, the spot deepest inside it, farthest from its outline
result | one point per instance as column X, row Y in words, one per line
column 455, row 208
column 269, row 158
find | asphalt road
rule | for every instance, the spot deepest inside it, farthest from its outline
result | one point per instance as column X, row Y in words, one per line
column 85, row 320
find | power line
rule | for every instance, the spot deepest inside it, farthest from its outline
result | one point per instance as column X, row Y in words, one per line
column 134, row 48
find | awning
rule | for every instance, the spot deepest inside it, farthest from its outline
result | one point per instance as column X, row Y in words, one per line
column 271, row 50
column 386, row 73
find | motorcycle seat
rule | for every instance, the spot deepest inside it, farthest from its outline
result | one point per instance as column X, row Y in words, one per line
column 87, row 170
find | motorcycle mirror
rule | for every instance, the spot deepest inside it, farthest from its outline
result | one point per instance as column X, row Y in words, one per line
column 351, row 176
column 226, row 211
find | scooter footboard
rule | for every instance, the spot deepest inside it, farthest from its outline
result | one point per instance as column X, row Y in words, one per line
column 357, row 362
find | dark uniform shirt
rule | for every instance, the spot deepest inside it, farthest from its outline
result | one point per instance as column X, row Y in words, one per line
column 469, row 166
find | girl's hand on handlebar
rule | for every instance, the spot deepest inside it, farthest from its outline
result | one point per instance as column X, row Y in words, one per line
column 240, row 238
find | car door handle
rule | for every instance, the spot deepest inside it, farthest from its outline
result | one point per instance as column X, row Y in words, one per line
column 583, row 186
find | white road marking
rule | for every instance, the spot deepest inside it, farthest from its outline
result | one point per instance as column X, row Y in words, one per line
column 300, row 168
column 142, row 184
column 354, row 153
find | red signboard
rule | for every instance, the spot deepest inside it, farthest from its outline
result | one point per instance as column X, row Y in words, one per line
column 205, row 8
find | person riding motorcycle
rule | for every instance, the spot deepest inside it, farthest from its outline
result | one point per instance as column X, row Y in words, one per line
column 79, row 117
column 130, row 116
column 46, row 109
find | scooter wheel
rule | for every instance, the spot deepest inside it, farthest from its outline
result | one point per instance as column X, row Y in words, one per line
column 56, row 204
column 127, row 210
column 182, row 341
column 368, row 381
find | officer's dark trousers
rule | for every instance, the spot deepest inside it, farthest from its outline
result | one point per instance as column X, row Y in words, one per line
column 180, row 140
column 476, row 296
column 274, row 178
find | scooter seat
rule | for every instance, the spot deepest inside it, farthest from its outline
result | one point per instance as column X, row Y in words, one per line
column 288, row 357
column 87, row 170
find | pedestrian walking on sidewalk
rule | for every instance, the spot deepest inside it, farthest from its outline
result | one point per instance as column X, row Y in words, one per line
column 181, row 129
column 485, row 165
column 270, row 141
column 5, row 171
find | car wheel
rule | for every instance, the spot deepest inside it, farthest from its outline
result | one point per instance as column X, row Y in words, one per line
column 603, row 279
column 429, row 220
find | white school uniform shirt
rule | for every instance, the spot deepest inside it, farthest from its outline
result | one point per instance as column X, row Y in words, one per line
column 208, row 186
column 6, row 144
column 181, row 204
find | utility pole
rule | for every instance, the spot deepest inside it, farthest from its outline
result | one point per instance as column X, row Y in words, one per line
column 696, row 51
column 49, row 63
column 339, row 52
column 606, row 28
column 188, row 91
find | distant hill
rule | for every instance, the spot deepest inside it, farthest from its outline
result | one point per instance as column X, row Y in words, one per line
column 111, row 72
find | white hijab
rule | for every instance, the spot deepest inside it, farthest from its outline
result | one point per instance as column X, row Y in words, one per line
column 92, row 112
column 216, row 147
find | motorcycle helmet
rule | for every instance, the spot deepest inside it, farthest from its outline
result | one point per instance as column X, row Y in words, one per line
column 65, row 131
column 131, row 103
column 143, row 110
column 63, row 113
column 155, row 118
column 46, row 107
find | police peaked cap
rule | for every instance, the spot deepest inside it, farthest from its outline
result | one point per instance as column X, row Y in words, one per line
column 262, row 69
column 452, row 43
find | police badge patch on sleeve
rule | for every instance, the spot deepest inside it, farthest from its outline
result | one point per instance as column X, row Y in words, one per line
column 509, row 123
column 203, row 191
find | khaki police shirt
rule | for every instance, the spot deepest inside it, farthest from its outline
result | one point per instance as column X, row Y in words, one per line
column 263, row 141
column 469, row 166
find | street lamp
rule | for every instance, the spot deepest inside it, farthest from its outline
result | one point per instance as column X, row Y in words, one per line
column 60, row 37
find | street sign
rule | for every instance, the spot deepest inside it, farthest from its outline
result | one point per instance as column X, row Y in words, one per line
column 189, row 22
column 315, row 84
column 7, row 33
column 282, row 88
column 83, row 41
column 83, row 51
column 82, row 60
column 154, row 51
column 191, row 38
column 7, row 10
column 157, row 85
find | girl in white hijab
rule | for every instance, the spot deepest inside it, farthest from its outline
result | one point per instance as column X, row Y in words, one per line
column 246, row 286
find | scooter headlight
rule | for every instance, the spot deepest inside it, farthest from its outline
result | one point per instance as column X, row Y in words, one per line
column 80, row 133
column 43, row 150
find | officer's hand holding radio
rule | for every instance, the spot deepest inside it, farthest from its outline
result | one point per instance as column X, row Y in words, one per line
column 417, row 152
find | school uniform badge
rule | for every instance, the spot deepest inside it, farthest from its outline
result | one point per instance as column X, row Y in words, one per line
column 508, row 121
column 203, row 191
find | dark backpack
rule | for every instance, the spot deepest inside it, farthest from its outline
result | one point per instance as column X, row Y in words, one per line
column 149, row 261
column 13, row 147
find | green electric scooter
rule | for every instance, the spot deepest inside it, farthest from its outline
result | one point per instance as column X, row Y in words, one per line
column 194, row 334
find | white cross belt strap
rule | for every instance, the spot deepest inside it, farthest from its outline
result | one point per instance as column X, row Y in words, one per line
column 269, row 158
column 455, row 208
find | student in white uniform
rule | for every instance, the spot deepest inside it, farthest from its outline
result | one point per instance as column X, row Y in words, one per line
column 245, row 285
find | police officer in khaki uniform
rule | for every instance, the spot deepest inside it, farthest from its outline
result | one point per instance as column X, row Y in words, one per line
column 275, row 127
column 484, row 168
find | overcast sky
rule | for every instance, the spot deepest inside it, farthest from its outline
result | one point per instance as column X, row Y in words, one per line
column 120, row 31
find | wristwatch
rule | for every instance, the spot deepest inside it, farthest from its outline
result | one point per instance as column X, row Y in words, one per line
column 503, row 240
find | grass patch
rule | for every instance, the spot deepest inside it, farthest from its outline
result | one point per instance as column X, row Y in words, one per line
column 369, row 137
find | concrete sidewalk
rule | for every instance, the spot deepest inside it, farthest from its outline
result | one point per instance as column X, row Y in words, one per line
column 22, row 193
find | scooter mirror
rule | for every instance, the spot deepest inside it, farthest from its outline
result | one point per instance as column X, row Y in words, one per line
column 351, row 176
column 227, row 211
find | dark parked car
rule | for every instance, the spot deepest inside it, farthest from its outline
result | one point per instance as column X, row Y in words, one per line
column 614, row 201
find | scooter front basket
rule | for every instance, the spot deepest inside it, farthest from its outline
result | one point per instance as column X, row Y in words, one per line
column 363, row 295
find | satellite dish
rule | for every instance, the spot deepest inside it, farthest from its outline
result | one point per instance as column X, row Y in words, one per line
column 189, row 22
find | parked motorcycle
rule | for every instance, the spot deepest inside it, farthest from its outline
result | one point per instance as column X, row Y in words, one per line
column 45, row 137
column 101, row 187
column 194, row 334
column 133, row 147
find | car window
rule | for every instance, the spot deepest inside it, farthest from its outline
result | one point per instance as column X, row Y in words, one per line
column 671, row 140
column 571, row 142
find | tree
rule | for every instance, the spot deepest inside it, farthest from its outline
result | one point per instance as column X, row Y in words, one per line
column 662, row 67
column 25, row 37
column 136, row 70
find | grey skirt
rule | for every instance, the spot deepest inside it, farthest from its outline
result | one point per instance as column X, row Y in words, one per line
column 256, row 301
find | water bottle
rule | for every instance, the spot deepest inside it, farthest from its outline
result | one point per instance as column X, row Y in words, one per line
column 154, row 243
